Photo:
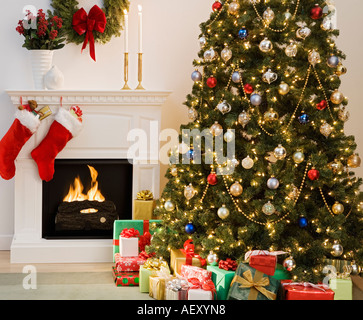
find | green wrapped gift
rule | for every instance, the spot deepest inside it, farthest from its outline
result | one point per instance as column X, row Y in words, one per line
column 222, row 280
column 140, row 225
column 281, row 273
column 251, row 284
column 343, row 288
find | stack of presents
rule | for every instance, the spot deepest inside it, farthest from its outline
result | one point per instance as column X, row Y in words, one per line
column 187, row 276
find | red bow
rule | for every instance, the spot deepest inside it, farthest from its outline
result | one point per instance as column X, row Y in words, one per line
column 129, row 233
column 228, row 264
column 207, row 285
column 145, row 256
column 145, row 239
column 94, row 21
column 189, row 253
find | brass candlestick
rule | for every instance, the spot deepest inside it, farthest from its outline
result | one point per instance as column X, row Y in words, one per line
column 140, row 87
column 126, row 71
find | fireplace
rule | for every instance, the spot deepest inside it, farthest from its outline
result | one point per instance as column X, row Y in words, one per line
column 85, row 197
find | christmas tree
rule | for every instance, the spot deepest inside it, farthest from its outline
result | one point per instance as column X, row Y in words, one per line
column 266, row 82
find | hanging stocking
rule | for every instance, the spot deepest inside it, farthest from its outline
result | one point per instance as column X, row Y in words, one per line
column 24, row 126
column 66, row 125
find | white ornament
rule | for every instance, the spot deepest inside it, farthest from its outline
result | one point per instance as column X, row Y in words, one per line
column 189, row 191
column 269, row 76
column 247, row 163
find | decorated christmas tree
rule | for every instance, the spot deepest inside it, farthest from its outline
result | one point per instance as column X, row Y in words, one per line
column 267, row 83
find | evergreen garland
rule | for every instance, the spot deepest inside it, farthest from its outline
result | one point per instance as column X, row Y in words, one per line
column 113, row 9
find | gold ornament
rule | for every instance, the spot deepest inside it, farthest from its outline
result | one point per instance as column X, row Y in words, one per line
column 336, row 166
column 216, row 129
column 233, row 7
column 280, row 152
column 341, row 70
column 314, row 57
column 354, row 161
column 271, row 115
column 284, row 88
column 247, row 163
column 337, row 208
column 326, row 129
column 343, row 115
column 298, row 157
column 145, row 195
column 236, row 189
column 337, row 97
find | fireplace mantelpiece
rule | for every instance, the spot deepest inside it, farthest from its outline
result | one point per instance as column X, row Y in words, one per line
column 113, row 114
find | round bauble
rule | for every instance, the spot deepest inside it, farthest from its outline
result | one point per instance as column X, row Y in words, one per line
column 209, row 55
column 341, row 70
column 229, row 136
column 224, row 107
column 217, row 6
column 236, row 77
column 212, row 258
column 216, row 129
column 247, row 163
column 169, row 205
column 336, row 166
column 190, row 228
column 212, row 179
column 337, row 208
column 336, row 249
column 233, row 7
column 192, row 114
column 268, row 208
column 303, row 222
column 196, row 76
column 211, row 82
column 337, row 97
column 354, row 161
column 313, row 174
column 266, row 45
column 322, row 105
column 291, row 50
column 284, row 88
column 273, row 183
column 271, row 115
column 280, row 152
column 314, row 57
column 256, row 99
column 202, row 42
column 248, row 88
column 236, row 189
column 316, row 12
column 223, row 212
column 333, row 61
column 298, row 157
column 289, row 263
column 243, row 33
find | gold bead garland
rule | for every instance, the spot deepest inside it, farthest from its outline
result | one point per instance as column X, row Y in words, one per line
column 327, row 206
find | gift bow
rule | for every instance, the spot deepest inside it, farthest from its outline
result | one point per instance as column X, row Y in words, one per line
column 322, row 287
column 155, row 264
column 207, row 285
column 129, row 233
column 228, row 264
column 256, row 284
column 145, row 239
column 190, row 254
column 145, row 195
column 94, row 21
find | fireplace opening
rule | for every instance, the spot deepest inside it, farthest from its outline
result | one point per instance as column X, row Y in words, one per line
column 85, row 197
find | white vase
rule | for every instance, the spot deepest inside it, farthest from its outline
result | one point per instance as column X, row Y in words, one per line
column 54, row 79
column 41, row 61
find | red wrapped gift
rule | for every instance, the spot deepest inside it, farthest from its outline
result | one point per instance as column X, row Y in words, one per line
column 264, row 263
column 125, row 279
column 305, row 291
column 128, row 263
column 201, row 274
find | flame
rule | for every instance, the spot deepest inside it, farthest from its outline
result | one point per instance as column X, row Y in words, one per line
column 75, row 192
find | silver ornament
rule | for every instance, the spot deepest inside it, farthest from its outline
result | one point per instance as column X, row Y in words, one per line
column 202, row 42
column 268, row 15
column 226, row 54
column 343, row 115
column 289, row 263
column 269, row 76
column 326, row 129
column 212, row 258
column 268, row 208
column 209, row 55
column 280, row 152
column 236, row 77
column 189, row 191
column 223, row 212
column 333, row 61
column 336, row 249
column 303, row 33
column 314, row 57
column 327, row 24
column 192, row 114
column 247, row 163
column 273, row 183
column 224, row 107
column 291, row 50
column 196, row 76
column 266, row 45
column 169, row 205
column 244, row 118
column 229, row 135
column 255, row 99
column 298, row 157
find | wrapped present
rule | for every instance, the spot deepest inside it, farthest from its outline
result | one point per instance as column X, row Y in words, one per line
column 305, row 291
column 146, row 228
column 201, row 274
column 281, row 273
column 125, row 278
column 128, row 263
column 251, row 284
column 157, row 283
column 263, row 260
column 176, row 289
column 144, row 205
column 201, row 290
column 342, row 287
column 222, row 276
column 150, row 268
column 178, row 257
column 129, row 243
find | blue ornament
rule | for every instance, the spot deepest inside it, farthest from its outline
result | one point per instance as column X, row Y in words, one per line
column 333, row 61
column 304, row 118
column 243, row 33
column 255, row 99
column 190, row 228
column 190, row 154
column 303, row 222
column 196, row 76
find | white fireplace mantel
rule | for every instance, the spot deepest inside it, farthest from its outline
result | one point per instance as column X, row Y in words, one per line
column 108, row 117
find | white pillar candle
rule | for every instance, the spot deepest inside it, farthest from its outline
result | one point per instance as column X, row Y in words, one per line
column 140, row 29
column 126, row 31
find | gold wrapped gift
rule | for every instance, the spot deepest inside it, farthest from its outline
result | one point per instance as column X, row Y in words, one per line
column 178, row 257
column 157, row 283
column 144, row 205
column 151, row 268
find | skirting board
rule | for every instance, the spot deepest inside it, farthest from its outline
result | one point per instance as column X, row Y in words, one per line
column 5, row 242
column 62, row 251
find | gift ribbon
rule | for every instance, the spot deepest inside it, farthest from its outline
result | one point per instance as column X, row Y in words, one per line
column 190, row 254
column 155, row 264
column 129, row 233
column 262, row 253
column 145, row 239
column 227, row 264
column 83, row 23
column 145, row 195
column 208, row 285
column 322, row 287
column 256, row 284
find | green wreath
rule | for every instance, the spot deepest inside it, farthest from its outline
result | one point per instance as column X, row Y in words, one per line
column 113, row 9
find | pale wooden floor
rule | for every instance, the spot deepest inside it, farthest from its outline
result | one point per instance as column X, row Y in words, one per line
column 7, row 267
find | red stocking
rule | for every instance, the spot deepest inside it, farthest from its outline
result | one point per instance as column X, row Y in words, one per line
column 64, row 128
column 23, row 127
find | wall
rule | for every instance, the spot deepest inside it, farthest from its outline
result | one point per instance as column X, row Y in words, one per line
column 171, row 30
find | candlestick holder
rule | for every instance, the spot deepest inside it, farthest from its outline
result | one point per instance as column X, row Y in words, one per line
column 126, row 71
column 140, row 87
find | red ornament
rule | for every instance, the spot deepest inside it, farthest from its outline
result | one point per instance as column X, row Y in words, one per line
column 313, row 174
column 316, row 12
column 248, row 88
column 217, row 6
column 212, row 179
column 322, row 105
column 211, row 82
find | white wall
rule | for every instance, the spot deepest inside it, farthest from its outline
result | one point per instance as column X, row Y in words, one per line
column 171, row 30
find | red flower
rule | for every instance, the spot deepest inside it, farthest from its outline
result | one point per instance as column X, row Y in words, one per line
column 20, row 27
column 56, row 21
column 53, row 34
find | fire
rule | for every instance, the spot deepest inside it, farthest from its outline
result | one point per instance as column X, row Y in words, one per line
column 75, row 192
